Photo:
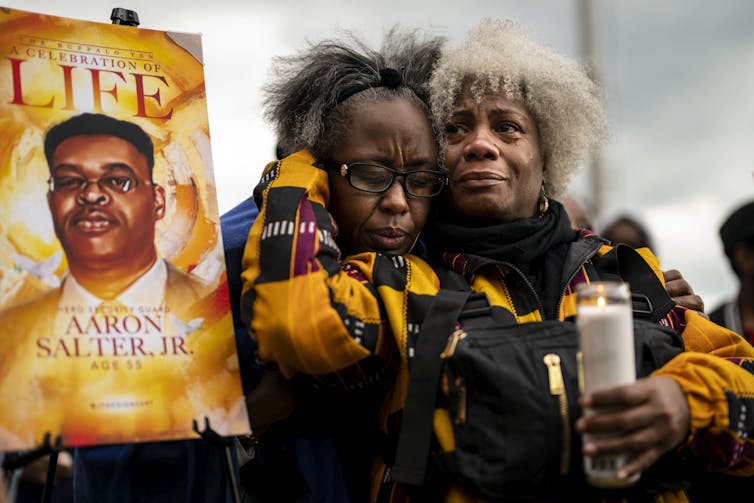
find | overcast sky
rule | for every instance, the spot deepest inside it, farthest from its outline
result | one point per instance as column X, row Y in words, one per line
column 679, row 76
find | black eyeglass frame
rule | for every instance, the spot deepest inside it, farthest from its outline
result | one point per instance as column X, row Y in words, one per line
column 345, row 170
column 134, row 182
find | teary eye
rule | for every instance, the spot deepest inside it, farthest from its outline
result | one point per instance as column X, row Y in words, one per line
column 454, row 128
column 507, row 127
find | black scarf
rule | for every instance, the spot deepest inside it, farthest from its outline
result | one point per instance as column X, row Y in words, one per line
column 537, row 246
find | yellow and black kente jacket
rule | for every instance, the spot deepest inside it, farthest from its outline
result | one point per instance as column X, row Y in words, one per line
column 344, row 323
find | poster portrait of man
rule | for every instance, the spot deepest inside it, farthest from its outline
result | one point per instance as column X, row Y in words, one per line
column 115, row 324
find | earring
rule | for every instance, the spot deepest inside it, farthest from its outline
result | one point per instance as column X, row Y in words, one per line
column 544, row 203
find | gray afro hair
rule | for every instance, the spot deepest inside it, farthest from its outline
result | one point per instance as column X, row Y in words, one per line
column 565, row 103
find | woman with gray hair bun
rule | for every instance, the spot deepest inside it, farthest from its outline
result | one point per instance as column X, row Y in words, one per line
column 515, row 121
column 364, row 116
column 340, row 101
column 307, row 98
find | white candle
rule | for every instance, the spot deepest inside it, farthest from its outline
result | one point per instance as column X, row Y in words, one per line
column 606, row 339
column 607, row 345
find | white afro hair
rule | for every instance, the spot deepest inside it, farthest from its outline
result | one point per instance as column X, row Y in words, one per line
column 565, row 103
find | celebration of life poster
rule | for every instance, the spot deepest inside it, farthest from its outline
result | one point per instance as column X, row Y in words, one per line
column 115, row 322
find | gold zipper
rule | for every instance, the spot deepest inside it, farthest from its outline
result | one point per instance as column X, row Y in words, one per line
column 507, row 293
column 450, row 347
column 557, row 388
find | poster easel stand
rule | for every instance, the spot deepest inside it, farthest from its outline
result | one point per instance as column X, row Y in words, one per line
column 223, row 443
column 13, row 461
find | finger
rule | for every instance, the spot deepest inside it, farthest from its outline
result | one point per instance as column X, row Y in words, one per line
column 671, row 275
column 616, row 422
column 627, row 395
column 638, row 463
column 661, row 422
column 678, row 287
column 693, row 302
column 635, row 431
column 619, row 409
column 594, row 445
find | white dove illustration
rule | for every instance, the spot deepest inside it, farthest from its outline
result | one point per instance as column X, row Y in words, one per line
column 44, row 270
column 183, row 327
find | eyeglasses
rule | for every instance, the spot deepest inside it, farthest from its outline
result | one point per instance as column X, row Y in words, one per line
column 118, row 184
column 377, row 179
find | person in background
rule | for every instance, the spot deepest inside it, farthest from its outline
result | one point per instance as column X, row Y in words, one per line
column 578, row 215
column 626, row 229
column 678, row 288
column 737, row 236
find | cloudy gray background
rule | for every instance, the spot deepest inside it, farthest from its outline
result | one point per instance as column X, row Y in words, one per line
column 678, row 74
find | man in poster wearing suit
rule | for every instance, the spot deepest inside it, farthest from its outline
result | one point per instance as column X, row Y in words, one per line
column 118, row 308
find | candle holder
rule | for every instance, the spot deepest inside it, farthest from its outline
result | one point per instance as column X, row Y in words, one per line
column 606, row 341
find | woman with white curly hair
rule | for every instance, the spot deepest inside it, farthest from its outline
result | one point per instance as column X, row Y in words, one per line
column 515, row 119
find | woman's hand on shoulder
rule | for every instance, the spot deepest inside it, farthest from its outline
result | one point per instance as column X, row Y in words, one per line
column 681, row 292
